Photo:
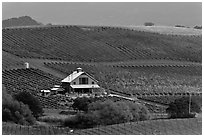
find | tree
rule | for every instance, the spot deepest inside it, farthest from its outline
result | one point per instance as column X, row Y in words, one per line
column 15, row 111
column 149, row 24
column 180, row 108
column 31, row 101
column 198, row 27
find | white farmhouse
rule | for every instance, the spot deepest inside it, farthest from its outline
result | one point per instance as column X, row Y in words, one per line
column 79, row 82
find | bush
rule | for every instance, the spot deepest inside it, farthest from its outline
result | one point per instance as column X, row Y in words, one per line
column 138, row 111
column 149, row 24
column 180, row 108
column 31, row 101
column 108, row 112
column 87, row 120
column 15, row 111
column 82, row 103
column 54, row 119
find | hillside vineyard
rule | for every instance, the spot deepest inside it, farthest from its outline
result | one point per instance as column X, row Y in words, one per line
column 103, row 44
column 100, row 80
column 147, row 79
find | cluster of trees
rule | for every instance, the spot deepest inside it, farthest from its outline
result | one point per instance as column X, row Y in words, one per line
column 195, row 27
column 198, row 27
column 22, row 109
column 31, row 101
column 106, row 112
column 184, row 107
column 182, row 26
column 149, row 24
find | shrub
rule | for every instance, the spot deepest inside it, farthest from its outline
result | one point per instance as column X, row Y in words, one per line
column 87, row 120
column 149, row 24
column 15, row 111
column 138, row 111
column 180, row 108
column 31, row 101
column 108, row 112
column 81, row 121
column 54, row 119
column 82, row 103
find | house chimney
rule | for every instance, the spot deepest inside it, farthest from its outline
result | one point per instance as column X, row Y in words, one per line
column 79, row 70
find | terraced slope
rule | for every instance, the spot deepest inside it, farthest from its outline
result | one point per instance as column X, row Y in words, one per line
column 141, row 79
column 31, row 80
column 146, row 45
column 56, row 43
column 153, row 127
column 10, row 61
column 170, row 98
column 103, row 44
column 14, row 129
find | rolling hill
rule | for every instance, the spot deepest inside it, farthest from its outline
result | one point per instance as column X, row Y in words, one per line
column 155, row 66
column 20, row 21
column 99, row 44
column 169, row 30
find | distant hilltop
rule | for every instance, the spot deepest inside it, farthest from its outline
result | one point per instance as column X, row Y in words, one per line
column 170, row 30
column 20, row 21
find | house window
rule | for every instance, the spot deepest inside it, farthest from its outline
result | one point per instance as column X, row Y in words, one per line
column 83, row 80
column 92, row 82
column 74, row 83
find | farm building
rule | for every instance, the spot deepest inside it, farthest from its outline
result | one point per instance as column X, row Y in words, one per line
column 45, row 93
column 79, row 82
column 57, row 89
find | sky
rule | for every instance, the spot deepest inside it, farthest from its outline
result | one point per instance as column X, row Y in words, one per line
column 106, row 13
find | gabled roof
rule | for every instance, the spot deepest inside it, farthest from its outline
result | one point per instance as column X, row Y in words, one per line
column 72, row 76
column 75, row 75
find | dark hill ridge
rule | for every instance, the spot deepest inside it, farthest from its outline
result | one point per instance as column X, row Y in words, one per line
column 99, row 44
column 21, row 21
